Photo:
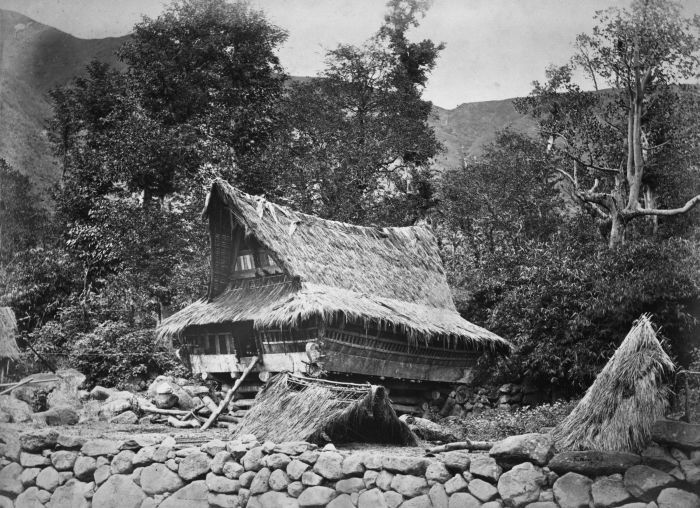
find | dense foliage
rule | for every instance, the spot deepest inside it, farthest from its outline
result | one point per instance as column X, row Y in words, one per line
column 530, row 265
column 22, row 215
column 115, row 354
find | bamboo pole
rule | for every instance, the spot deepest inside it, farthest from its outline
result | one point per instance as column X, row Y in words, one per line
column 17, row 385
column 230, row 394
column 36, row 382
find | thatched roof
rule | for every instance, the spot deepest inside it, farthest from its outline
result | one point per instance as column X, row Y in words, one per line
column 292, row 408
column 8, row 331
column 392, row 278
column 624, row 401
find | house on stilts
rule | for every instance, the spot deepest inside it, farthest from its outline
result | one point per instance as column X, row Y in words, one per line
column 309, row 295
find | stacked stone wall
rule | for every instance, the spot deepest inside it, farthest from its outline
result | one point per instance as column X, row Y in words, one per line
column 46, row 468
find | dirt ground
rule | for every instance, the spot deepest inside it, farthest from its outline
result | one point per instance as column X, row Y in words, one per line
column 153, row 433
column 121, row 432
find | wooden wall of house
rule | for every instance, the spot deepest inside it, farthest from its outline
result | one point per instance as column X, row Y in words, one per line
column 221, row 234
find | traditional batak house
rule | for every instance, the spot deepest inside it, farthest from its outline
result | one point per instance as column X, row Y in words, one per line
column 308, row 295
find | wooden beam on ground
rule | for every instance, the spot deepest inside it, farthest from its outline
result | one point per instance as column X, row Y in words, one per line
column 462, row 445
column 167, row 412
column 405, row 408
column 229, row 395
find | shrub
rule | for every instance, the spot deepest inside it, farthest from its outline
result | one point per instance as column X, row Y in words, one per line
column 566, row 308
column 495, row 424
column 114, row 354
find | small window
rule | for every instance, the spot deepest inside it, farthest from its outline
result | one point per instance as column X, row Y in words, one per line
column 244, row 263
column 267, row 260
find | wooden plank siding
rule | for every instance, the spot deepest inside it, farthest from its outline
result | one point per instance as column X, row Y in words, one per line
column 345, row 351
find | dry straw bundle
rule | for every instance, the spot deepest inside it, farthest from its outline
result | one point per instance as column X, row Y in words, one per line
column 8, row 329
column 626, row 398
column 292, row 408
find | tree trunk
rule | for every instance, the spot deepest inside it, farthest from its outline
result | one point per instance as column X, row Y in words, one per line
column 617, row 232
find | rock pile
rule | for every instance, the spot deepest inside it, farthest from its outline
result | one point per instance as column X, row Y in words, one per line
column 467, row 399
column 56, row 399
column 45, row 468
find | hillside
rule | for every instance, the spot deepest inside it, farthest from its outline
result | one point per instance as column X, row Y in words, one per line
column 465, row 129
column 33, row 59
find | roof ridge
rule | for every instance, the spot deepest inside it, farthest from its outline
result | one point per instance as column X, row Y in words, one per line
column 315, row 218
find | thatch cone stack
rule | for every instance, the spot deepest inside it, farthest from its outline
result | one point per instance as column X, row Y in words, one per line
column 626, row 398
column 9, row 352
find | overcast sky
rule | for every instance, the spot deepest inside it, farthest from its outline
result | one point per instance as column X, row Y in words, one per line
column 495, row 48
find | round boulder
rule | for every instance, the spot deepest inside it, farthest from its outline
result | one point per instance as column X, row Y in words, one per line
column 119, row 491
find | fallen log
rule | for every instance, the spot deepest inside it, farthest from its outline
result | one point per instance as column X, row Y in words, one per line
column 462, row 445
column 229, row 395
column 405, row 408
column 167, row 412
column 428, row 430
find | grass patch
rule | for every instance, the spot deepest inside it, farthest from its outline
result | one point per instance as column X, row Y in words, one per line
column 495, row 424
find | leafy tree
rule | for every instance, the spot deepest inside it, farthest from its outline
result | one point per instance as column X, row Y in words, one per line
column 613, row 138
column 200, row 87
column 81, row 135
column 38, row 283
column 355, row 143
column 136, row 252
column 511, row 199
column 22, row 217
column 526, row 264
column 206, row 70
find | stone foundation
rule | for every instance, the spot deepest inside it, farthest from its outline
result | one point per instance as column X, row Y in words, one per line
column 45, row 468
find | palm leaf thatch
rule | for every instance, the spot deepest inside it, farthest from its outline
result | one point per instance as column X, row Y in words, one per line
column 291, row 407
column 391, row 278
column 8, row 330
column 624, row 401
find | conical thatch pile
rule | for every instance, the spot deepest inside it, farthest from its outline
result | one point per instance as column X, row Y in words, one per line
column 8, row 330
column 292, row 408
column 626, row 398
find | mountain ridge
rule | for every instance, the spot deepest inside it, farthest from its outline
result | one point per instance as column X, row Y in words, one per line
column 35, row 57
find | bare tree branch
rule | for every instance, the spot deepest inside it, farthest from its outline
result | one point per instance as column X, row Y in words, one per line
column 674, row 211
column 578, row 159
column 568, row 176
